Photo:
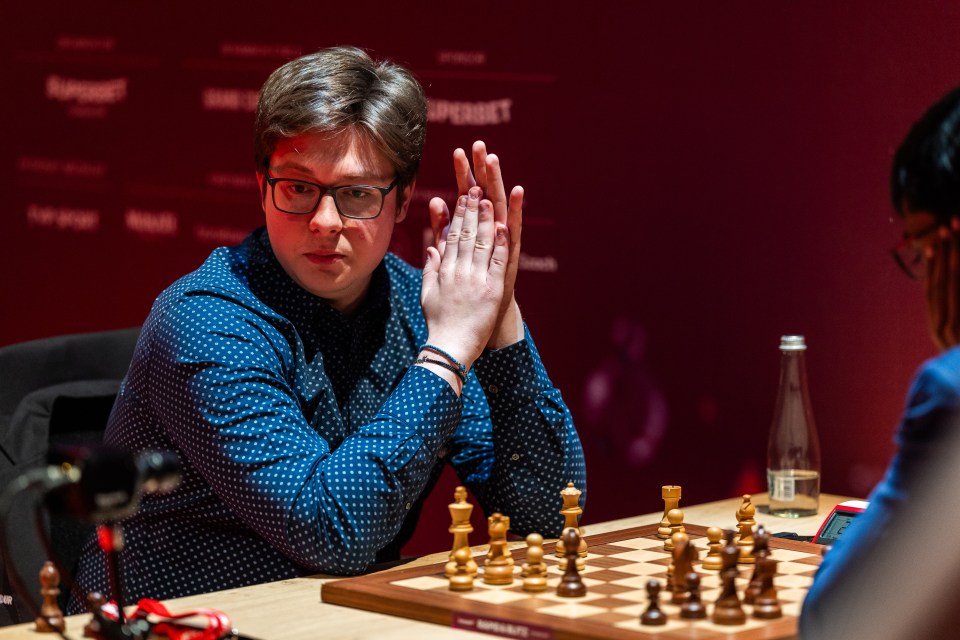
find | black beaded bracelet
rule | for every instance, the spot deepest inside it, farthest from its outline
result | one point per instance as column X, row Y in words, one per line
column 445, row 365
column 456, row 363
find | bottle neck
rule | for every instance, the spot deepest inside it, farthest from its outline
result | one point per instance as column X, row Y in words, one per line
column 793, row 372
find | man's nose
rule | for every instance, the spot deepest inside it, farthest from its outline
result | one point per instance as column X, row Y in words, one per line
column 326, row 217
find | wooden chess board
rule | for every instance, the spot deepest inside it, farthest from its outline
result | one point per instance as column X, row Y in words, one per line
column 618, row 566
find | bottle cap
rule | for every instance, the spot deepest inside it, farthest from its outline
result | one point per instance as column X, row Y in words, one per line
column 792, row 343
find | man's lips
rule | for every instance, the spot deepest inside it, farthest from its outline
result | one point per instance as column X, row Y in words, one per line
column 323, row 257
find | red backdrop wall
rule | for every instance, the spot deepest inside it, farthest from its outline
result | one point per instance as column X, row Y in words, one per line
column 700, row 181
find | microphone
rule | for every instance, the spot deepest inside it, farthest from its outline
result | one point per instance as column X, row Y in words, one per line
column 107, row 482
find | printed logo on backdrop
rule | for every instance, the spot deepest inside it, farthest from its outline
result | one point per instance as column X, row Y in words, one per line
column 260, row 50
column 476, row 113
column 458, row 58
column 219, row 235
column 58, row 218
column 151, row 224
column 61, row 167
column 91, row 44
column 229, row 99
column 232, row 180
column 83, row 98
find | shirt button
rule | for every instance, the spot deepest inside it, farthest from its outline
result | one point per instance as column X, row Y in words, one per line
column 492, row 388
column 407, row 506
column 515, row 456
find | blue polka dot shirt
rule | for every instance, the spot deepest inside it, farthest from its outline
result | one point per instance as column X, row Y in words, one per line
column 307, row 439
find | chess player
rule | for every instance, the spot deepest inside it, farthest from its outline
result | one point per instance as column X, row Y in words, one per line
column 314, row 385
column 848, row 593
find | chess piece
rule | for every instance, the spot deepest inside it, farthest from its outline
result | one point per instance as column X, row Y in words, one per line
column 571, row 584
column 671, row 500
column 95, row 602
column 745, row 524
column 693, row 608
column 712, row 561
column 761, row 549
column 727, row 609
column 534, row 571
column 571, row 519
column 460, row 527
column 766, row 606
column 50, row 619
column 498, row 566
column 684, row 555
column 462, row 579
column 675, row 518
column 653, row 615
column 669, row 585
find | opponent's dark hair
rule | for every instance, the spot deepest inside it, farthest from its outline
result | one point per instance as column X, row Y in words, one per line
column 925, row 175
column 340, row 89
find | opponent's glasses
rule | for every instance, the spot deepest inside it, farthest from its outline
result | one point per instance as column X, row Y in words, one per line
column 908, row 254
column 358, row 201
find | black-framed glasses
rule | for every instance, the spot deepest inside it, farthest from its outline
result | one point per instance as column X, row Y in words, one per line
column 358, row 201
column 907, row 254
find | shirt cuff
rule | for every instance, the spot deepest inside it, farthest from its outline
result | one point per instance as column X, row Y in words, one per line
column 513, row 374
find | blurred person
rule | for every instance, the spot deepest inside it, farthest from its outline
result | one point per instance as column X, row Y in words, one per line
column 925, row 191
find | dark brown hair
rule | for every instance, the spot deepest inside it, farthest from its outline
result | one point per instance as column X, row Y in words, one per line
column 339, row 89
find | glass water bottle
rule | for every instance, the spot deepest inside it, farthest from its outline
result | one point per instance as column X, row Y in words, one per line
column 793, row 453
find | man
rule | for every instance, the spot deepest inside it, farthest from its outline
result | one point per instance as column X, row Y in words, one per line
column 925, row 189
column 313, row 384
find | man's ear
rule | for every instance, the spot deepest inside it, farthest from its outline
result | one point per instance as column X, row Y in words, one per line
column 262, row 184
column 407, row 197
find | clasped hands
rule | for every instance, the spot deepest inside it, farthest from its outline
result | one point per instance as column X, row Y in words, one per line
column 468, row 280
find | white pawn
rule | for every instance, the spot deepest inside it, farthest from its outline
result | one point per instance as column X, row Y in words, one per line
column 534, row 570
column 675, row 517
column 713, row 561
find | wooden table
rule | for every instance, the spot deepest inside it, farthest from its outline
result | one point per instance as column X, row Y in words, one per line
column 291, row 609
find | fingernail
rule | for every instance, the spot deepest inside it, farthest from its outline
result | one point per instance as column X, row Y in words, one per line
column 462, row 202
column 474, row 193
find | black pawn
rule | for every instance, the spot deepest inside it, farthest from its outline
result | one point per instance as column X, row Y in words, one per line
column 693, row 608
column 727, row 609
column 571, row 584
column 653, row 615
column 766, row 605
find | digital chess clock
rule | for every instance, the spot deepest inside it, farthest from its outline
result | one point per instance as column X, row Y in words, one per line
column 838, row 521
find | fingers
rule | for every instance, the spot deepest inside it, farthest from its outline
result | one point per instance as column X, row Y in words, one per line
column 471, row 238
column 494, row 187
column 439, row 222
column 431, row 272
column 461, row 169
column 515, row 214
column 499, row 257
column 432, row 266
column 486, row 232
column 480, row 165
column 467, row 239
column 454, row 229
